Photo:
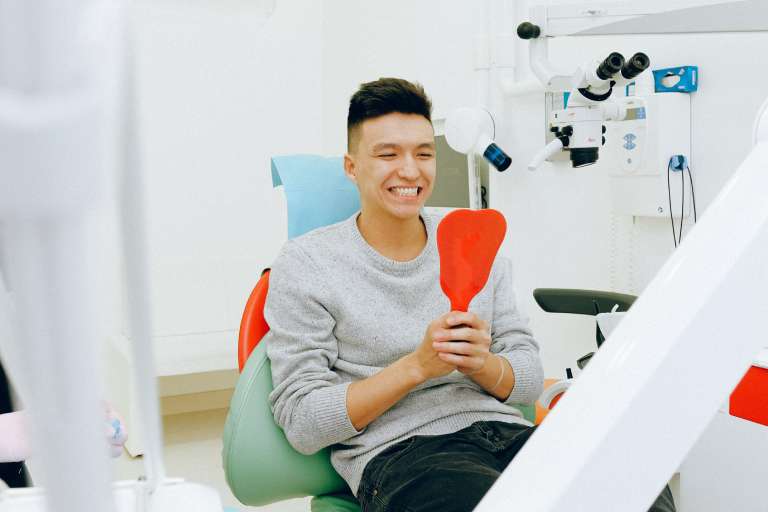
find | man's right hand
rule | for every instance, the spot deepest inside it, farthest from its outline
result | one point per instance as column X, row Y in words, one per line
column 425, row 359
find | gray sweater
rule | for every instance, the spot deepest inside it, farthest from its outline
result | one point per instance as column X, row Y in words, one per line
column 339, row 311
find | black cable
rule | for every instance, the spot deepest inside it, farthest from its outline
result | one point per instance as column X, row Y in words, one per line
column 669, row 196
column 693, row 196
column 682, row 205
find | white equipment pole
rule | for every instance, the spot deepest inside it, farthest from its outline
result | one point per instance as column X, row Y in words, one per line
column 66, row 127
column 57, row 104
column 137, row 277
column 627, row 422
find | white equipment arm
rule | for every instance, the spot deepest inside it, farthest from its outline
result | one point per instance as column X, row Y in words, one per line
column 538, row 51
column 550, row 149
column 630, row 418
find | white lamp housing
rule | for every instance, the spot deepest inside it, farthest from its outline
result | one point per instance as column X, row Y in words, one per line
column 471, row 130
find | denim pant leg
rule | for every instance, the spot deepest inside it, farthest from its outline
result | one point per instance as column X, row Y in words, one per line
column 448, row 473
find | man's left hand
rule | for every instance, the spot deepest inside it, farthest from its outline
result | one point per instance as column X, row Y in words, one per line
column 467, row 345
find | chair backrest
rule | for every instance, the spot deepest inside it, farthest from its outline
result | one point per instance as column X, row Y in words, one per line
column 253, row 326
column 260, row 465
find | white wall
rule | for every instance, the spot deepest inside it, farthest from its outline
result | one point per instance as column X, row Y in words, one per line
column 219, row 94
column 430, row 41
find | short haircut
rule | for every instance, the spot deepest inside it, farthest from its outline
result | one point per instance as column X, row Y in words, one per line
column 384, row 96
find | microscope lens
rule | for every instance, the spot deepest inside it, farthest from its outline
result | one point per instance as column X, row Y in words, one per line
column 638, row 63
column 610, row 66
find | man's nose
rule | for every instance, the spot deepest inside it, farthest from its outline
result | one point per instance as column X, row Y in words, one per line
column 410, row 169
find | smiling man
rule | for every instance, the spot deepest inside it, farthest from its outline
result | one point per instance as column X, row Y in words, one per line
column 416, row 402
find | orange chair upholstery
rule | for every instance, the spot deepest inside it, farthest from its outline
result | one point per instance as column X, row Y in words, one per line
column 253, row 326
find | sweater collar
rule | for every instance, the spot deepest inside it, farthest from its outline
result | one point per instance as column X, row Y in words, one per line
column 387, row 264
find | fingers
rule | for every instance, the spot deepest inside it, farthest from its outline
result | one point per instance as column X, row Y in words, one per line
column 462, row 363
column 457, row 318
column 465, row 334
column 457, row 347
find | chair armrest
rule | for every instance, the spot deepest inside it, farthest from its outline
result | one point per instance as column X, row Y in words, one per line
column 581, row 302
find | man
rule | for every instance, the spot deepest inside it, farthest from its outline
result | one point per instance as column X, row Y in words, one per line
column 417, row 402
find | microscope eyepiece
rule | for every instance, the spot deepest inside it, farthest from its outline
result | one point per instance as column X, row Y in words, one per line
column 638, row 63
column 527, row 30
column 610, row 66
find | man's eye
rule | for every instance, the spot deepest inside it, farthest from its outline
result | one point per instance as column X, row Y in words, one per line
column 387, row 155
column 426, row 155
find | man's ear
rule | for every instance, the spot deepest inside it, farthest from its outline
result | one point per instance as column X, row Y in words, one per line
column 350, row 169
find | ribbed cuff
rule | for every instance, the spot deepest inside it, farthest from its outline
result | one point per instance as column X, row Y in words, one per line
column 528, row 378
column 331, row 415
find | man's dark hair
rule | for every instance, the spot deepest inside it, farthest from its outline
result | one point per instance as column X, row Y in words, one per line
column 384, row 96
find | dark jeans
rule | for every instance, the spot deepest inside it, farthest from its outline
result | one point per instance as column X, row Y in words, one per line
column 448, row 473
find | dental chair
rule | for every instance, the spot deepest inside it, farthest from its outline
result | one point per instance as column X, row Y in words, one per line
column 260, row 465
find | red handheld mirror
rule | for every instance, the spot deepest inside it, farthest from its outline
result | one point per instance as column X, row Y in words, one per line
column 468, row 241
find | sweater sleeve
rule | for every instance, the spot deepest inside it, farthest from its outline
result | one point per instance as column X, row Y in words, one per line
column 512, row 339
column 309, row 400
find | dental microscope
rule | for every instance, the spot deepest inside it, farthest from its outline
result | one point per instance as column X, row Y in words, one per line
column 578, row 128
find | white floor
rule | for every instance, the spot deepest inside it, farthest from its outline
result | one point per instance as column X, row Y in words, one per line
column 193, row 452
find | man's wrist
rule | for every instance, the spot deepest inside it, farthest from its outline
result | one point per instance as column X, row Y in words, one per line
column 486, row 370
column 410, row 369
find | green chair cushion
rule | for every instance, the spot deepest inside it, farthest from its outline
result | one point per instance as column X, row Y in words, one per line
column 335, row 503
column 260, row 465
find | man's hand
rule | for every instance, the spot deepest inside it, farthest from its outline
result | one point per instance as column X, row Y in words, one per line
column 465, row 343
column 453, row 341
column 425, row 358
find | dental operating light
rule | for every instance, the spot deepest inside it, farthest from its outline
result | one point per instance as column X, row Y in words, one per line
column 471, row 131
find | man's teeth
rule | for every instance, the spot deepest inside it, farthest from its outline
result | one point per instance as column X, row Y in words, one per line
column 405, row 191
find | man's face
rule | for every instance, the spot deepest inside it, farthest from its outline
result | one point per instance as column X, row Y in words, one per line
column 393, row 164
